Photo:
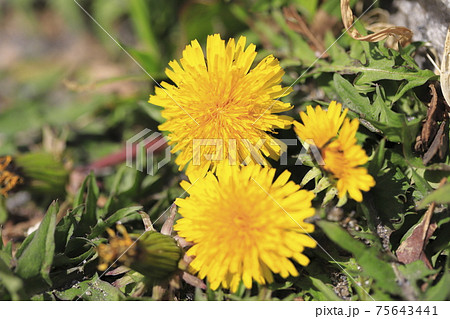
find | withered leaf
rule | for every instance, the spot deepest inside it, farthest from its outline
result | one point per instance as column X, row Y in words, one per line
column 429, row 127
column 412, row 248
column 402, row 34
column 296, row 23
column 433, row 137
column 439, row 145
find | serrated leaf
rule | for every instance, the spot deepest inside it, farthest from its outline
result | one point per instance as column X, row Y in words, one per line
column 351, row 98
column 439, row 196
column 376, row 268
column 378, row 114
column 382, row 64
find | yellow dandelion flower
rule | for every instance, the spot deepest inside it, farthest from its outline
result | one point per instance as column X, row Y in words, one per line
column 220, row 98
column 334, row 135
column 245, row 226
column 343, row 158
column 320, row 125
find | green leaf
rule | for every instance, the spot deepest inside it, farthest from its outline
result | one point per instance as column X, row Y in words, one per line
column 441, row 291
column 45, row 174
column 383, row 64
column 89, row 216
column 101, row 225
column 5, row 256
column 325, row 290
column 65, row 228
column 308, row 7
column 63, row 259
column 439, row 196
column 3, row 212
column 353, row 100
column 386, row 196
column 140, row 17
column 421, row 183
column 377, row 162
column 152, row 110
column 416, row 273
column 93, row 289
column 381, row 118
column 300, row 48
column 336, row 52
column 36, row 259
column 374, row 267
column 380, row 64
column 13, row 284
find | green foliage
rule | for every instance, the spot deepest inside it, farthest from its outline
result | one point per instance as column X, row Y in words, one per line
column 56, row 254
column 93, row 289
column 367, row 257
column 35, row 256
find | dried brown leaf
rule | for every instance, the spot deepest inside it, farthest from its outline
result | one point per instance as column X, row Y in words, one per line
column 402, row 34
column 430, row 125
column 167, row 227
column 118, row 271
column 193, row 280
column 148, row 225
column 439, row 145
column 322, row 23
column 412, row 248
column 296, row 23
column 433, row 133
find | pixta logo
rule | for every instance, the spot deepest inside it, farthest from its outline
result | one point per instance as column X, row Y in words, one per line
column 141, row 148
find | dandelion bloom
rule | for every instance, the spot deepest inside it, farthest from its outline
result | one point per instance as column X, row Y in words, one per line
column 221, row 98
column 244, row 225
column 334, row 135
column 320, row 125
column 343, row 158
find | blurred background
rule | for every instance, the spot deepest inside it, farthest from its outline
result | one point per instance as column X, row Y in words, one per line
column 58, row 68
column 61, row 70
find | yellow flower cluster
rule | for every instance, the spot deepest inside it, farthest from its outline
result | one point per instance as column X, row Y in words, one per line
column 245, row 225
column 334, row 135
